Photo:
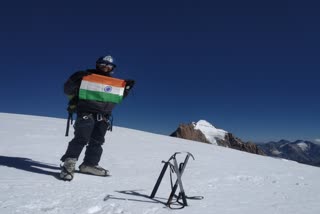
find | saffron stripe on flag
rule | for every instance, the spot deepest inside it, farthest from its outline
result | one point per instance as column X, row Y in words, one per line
column 104, row 80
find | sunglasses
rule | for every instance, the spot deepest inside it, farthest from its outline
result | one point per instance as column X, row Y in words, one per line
column 109, row 65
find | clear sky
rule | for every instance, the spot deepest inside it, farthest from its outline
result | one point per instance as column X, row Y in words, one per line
column 249, row 67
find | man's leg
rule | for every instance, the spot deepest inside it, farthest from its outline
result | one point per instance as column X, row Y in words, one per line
column 94, row 149
column 84, row 126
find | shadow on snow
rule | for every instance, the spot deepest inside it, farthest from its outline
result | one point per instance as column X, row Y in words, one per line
column 29, row 165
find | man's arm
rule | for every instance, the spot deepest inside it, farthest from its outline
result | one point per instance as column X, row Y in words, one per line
column 72, row 85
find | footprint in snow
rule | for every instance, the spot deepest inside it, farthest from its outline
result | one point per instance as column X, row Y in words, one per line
column 115, row 209
column 151, row 210
column 94, row 209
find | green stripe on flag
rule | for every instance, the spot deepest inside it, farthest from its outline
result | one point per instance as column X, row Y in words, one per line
column 99, row 96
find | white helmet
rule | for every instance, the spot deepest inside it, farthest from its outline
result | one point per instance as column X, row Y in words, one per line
column 105, row 60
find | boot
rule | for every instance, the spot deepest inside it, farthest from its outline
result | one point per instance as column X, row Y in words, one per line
column 93, row 170
column 68, row 168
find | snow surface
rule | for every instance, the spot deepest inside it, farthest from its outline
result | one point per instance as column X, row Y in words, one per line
column 230, row 181
column 209, row 131
column 276, row 152
column 303, row 146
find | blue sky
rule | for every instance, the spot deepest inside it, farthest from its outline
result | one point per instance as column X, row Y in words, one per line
column 249, row 67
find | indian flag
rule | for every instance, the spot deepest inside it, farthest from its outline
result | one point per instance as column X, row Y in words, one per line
column 101, row 88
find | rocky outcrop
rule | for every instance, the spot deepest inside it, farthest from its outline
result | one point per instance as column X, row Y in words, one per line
column 188, row 131
column 235, row 143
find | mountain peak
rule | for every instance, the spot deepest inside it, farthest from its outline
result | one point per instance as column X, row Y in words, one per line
column 283, row 141
column 203, row 123
column 210, row 132
column 205, row 132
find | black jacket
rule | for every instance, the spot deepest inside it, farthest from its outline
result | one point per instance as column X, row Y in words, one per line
column 71, row 88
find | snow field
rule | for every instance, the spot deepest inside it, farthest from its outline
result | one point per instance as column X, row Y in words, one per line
column 229, row 180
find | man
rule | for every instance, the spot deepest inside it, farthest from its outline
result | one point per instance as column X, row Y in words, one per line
column 92, row 123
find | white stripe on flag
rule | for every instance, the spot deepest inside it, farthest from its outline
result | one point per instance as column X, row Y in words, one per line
column 92, row 86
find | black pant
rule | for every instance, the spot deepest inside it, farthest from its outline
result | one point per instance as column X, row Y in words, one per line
column 88, row 131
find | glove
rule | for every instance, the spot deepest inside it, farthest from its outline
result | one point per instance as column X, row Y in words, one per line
column 129, row 84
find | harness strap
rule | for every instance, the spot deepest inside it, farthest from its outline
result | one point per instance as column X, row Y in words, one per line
column 108, row 118
column 99, row 117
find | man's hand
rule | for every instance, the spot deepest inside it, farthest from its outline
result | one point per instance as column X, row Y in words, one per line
column 129, row 84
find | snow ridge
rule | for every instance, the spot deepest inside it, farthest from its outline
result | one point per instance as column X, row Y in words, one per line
column 303, row 146
column 210, row 132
